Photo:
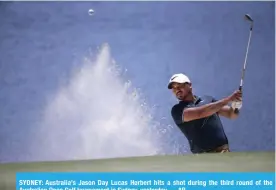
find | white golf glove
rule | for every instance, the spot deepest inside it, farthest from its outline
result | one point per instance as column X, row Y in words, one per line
column 236, row 105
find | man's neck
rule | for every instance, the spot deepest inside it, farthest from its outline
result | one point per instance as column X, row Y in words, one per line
column 190, row 98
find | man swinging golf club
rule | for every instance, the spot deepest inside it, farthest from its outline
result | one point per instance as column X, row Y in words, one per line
column 198, row 116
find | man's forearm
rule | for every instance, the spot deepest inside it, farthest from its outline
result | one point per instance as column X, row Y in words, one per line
column 207, row 110
column 212, row 108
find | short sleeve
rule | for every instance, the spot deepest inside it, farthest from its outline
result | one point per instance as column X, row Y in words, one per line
column 177, row 114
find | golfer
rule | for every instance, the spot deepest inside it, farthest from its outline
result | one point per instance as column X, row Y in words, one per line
column 198, row 117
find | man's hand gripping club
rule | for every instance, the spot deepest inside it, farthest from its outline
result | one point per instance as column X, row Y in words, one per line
column 237, row 101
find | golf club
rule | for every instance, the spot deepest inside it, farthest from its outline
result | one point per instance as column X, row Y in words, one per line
column 247, row 18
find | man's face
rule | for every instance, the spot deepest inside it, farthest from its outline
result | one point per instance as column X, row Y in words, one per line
column 181, row 90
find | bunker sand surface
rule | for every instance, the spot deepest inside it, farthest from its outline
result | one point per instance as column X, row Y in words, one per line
column 215, row 162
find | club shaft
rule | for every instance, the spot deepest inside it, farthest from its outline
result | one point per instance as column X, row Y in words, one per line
column 245, row 60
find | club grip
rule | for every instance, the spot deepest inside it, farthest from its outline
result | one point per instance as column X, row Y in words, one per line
column 240, row 88
column 236, row 111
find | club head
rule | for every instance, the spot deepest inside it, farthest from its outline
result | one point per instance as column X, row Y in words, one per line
column 248, row 17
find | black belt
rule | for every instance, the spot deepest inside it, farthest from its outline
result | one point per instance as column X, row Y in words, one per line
column 220, row 149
